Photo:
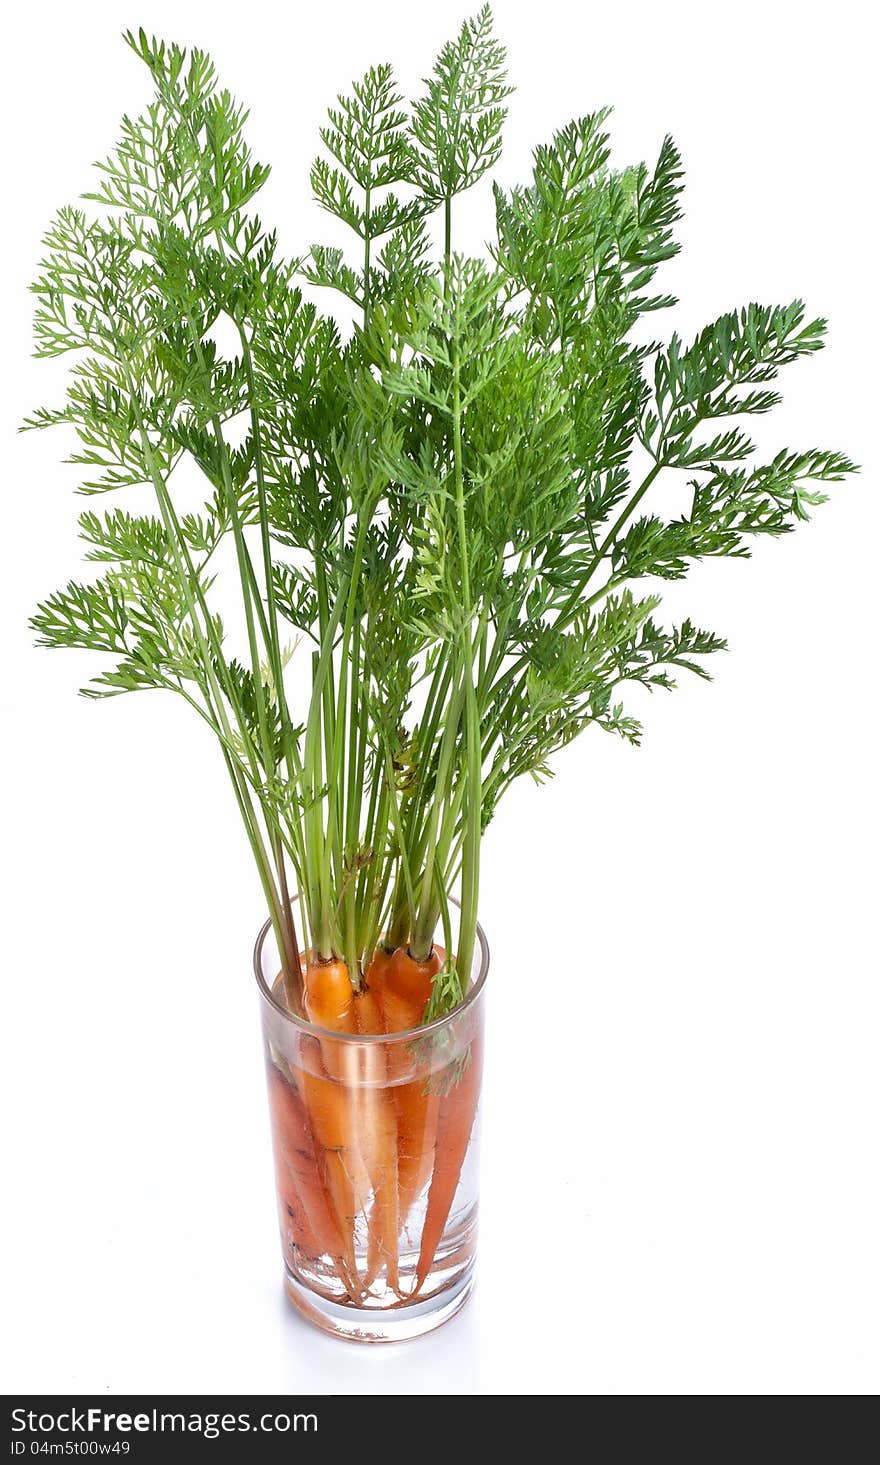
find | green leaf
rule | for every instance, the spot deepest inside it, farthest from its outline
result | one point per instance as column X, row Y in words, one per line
column 89, row 617
column 456, row 125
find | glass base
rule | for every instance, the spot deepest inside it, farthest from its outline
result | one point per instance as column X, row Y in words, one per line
column 381, row 1325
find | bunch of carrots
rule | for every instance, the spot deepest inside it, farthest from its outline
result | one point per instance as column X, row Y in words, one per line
column 358, row 1129
column 434, row 497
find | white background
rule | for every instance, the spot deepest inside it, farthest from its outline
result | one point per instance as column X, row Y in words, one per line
column 680, row 1145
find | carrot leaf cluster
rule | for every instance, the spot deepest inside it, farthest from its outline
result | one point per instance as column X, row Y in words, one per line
column 440, row 497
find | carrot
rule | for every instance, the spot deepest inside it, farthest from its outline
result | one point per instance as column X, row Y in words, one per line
column 372, row 1013
column 331, row 1107
column 407, row 988
column 455, row 1123
column 329, row 1003
column 309, row 1216
column 380, row 962
column 297, row 1236
column 331, row 1121
column 329, row 995
column 378, row 1128
column 368, row 1014
column 418, row 1110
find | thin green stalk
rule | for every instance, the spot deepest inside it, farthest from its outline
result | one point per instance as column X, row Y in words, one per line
column 572, row 605
column 394, row 808
column 278, row 912
column 575, row 604
column 373, row 886
column 470, row 878
column 424, row 922
column 356, row 761
column 323, row 710
column 367, row 242
column 276, row 655
column 417, row 830
column 250, row 597
column 191, row 590
column 249, row 585
column 292, row 987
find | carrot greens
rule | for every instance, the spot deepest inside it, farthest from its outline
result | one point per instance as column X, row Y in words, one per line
column 435, row 501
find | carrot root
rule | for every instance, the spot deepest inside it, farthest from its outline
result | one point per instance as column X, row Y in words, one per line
column 377, row 1128
column 359, row 1143
column 402, row 988
column 418, row 1112
column 298, row 1174
column 454, row 1127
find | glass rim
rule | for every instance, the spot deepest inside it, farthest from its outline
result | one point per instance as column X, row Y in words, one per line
column 406, row 1034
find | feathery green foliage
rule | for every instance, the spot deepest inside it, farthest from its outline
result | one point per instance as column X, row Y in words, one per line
column 442, row 508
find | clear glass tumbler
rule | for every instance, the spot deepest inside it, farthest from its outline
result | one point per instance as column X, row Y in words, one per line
column 375, row 1141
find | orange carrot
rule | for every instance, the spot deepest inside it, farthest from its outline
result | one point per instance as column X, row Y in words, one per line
column 372, row 1012
column 297, row 1236
column 370, row 1020
column 309, row 1216
column 378, row 1130
column 331, row 1123
column 329, row 995
column 329, row 1003
column 405, row 987
column 456, row 1121
column 330, row 1109
column 418, row 1110
column 377, row 971
column 330, row 1105
column 368, row 1014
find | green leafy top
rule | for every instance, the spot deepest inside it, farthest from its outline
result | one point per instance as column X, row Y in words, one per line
column 449, row 506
